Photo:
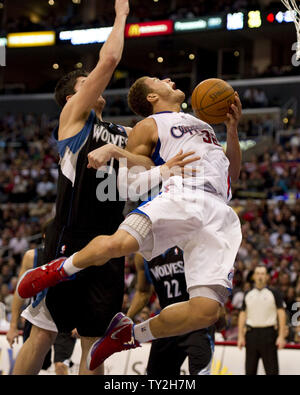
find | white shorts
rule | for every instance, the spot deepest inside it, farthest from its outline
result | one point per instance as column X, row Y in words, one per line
column 40, row 316
column 202, row 225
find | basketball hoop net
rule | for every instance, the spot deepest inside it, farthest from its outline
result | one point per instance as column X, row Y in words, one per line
column 292, row 6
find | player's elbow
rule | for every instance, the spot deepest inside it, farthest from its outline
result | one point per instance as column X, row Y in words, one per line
column 109, row 61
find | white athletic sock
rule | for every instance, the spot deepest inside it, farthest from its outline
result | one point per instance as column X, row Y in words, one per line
column 142, row 332
column 68, row 266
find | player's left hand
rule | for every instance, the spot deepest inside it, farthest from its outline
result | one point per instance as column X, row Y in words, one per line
column 100, row 156
column 12, row 336
column 234, row 116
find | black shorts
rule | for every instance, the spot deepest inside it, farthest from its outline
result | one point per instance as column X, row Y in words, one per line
column 63, row 347
column 168, row 354
column 93, row 297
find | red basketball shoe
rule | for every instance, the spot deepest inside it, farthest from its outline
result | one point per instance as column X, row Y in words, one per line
column 36, row 280
column 118, row 337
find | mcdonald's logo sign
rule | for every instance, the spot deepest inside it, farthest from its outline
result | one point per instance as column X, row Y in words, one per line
column 156, row 28
column 134, row 30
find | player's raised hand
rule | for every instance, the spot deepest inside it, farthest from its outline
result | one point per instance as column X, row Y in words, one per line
column 234, row 116
column 122, row 7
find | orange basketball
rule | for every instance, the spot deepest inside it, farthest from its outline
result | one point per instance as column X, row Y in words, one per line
column 211, row 100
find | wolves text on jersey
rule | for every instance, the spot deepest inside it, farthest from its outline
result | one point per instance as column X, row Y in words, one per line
column 100, row 132
column 168, row 269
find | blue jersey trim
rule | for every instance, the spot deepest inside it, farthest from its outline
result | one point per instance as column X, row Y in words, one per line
column 212, row 342
column 121, row 128
column 74, row 142
column 137, row 211
column 165, row 253
column 147, row 272
column 157, row 159
column 35, row 258
column 163, row 112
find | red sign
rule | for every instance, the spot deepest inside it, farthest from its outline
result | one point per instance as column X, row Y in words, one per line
column 271, row 17
column 145, row 29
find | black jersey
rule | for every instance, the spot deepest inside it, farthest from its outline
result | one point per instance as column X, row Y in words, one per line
column 166, row 272
column 87, row 199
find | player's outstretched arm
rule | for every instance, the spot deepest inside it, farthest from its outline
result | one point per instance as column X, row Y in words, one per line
column 143, row 288
column 81, row 103
column 233, row 150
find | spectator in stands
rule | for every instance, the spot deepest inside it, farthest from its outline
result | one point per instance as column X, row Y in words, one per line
column 6, row 297
column 18, row 245
column 46, row 189
column 260, row 98
column 232, row 332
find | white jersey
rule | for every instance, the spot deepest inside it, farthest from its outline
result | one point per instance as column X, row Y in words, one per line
column 180, row 131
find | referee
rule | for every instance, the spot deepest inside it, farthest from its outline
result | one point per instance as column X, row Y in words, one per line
column 263, row 316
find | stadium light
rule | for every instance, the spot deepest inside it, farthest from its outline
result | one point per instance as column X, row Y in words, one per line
column 198, row 24
column 3, row 41
column 32, row 39
column 254, row 19
column 271, row 17
column 235, row 21
column 86, row 36
column 286, row 16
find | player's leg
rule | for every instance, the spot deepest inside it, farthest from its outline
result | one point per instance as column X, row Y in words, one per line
column 61, row 369
column 63, row 350
column 32, row 354
column 181, row 318
column 165, row 357
column 86, row 343
column 199, row 347
column 102, row 248
column 31, row 357
column 177, row 319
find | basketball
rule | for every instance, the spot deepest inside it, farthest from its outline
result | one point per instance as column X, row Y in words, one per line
column 211, row 100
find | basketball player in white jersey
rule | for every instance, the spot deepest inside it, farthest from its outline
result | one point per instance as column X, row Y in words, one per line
column 190, row 212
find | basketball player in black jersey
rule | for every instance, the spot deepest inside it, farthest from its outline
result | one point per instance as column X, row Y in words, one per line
column 64, row 343
column 165, row 275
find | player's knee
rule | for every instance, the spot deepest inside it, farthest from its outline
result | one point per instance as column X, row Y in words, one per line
column 109, row 247
column 118, row 246
column 114, row 247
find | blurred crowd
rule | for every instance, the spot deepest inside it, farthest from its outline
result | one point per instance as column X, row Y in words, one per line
column 28, row 170
column 266, row 198
column 273, row 174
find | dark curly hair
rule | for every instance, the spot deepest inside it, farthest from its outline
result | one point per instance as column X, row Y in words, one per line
column 66, row 85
